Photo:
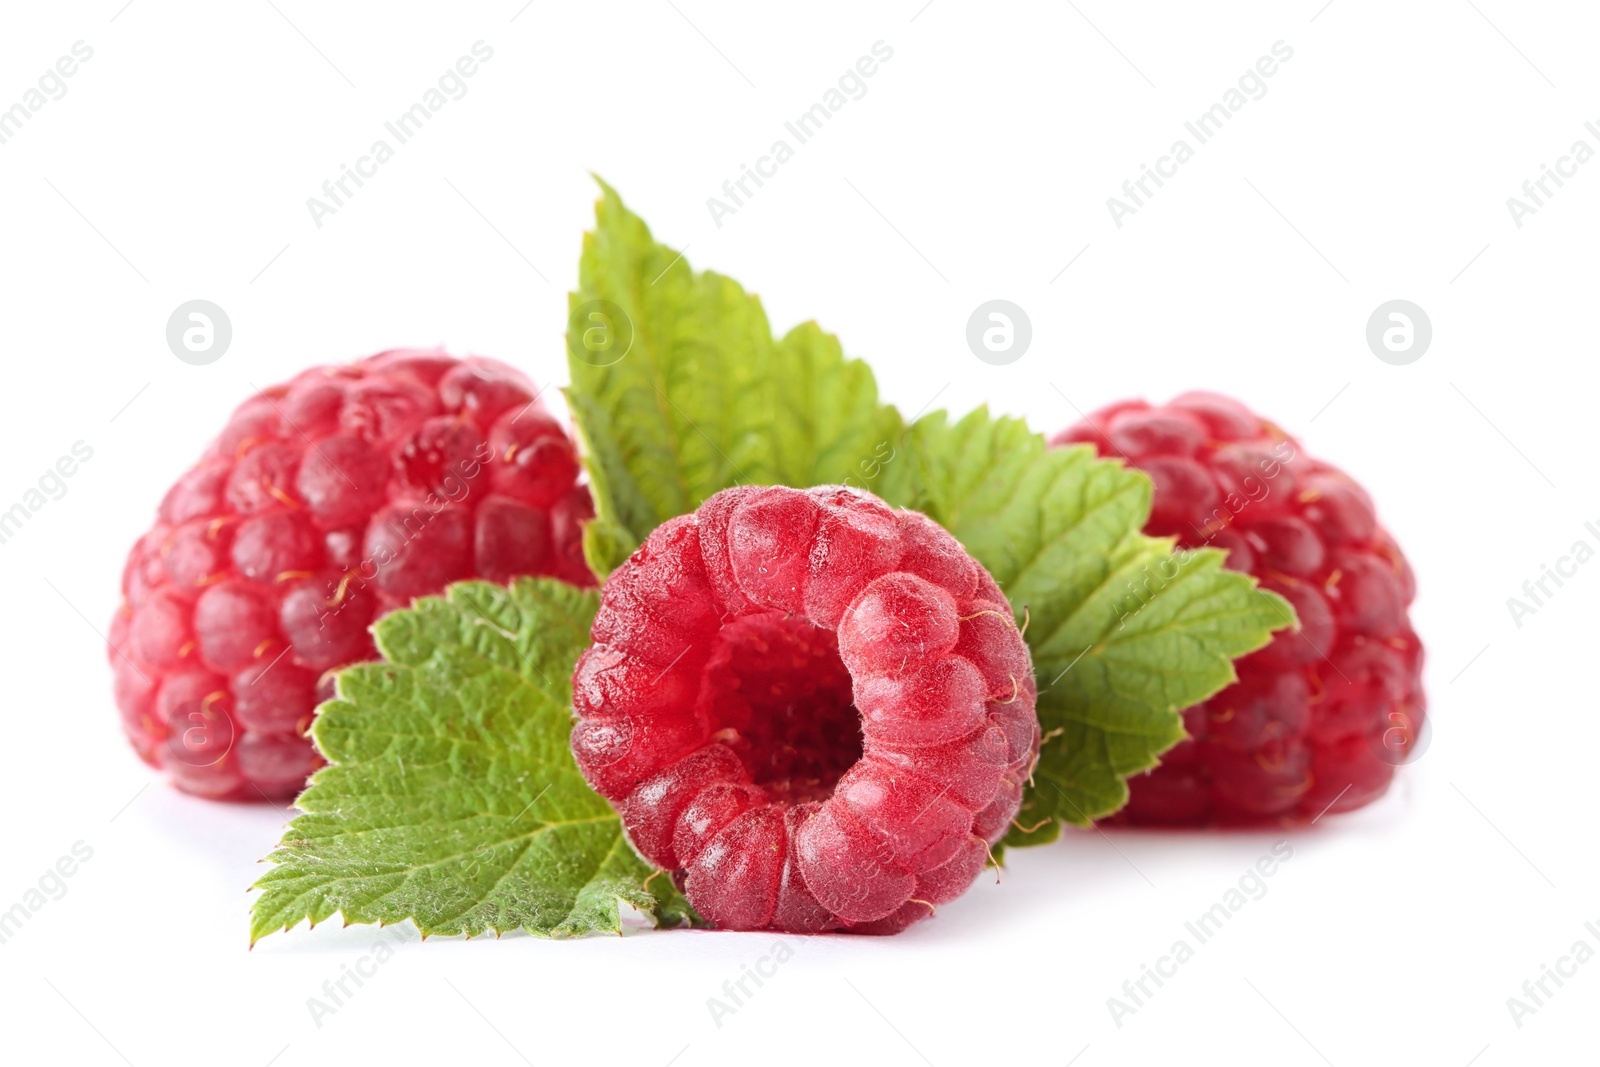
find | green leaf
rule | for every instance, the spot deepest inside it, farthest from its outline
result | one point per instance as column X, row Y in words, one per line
column 1124, row 633
column 451, row 797
column 687, row 392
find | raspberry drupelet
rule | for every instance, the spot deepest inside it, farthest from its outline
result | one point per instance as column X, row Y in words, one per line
column 325, row 503
column 815, row 710
column 1320, row 718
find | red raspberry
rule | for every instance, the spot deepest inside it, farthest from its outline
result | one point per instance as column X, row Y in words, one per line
column 325, row 503
column 1318, row 719
column 817, row 712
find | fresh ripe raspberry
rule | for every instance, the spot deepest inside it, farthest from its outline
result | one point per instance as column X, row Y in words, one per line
column 1323, row 714
column 325, row 503
column 817, row 712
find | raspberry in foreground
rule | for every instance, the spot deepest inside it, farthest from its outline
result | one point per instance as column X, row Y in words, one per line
column 325, row 503
column 816, row 711
column 1320, row 718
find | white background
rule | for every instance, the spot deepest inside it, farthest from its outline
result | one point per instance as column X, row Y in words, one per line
column 978, row 164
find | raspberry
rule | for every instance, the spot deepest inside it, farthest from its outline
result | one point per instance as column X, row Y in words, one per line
column 817, row 712
column 1320, row 718
column 325, row 503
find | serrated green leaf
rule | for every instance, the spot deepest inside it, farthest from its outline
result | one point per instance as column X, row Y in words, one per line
column 1124, row 633
column 451, row 797
column 703, row 397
